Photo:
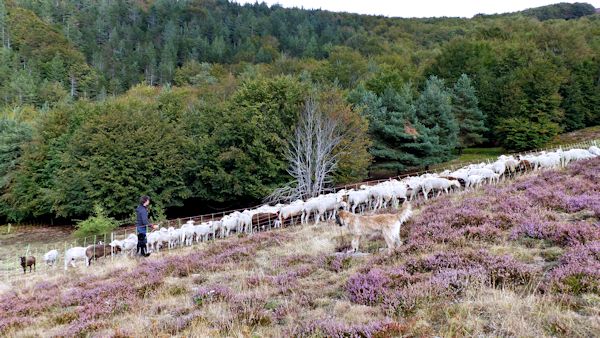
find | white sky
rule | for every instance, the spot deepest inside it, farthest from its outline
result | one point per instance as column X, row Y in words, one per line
column 419, row 8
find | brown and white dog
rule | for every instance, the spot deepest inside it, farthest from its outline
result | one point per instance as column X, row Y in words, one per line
column 386, row 224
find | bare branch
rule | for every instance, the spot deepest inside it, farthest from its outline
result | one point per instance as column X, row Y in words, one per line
column 310, row 155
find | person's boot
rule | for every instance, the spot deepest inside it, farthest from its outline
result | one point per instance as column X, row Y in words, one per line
column 144, row 253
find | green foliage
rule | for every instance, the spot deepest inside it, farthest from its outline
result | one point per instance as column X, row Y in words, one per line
column 14, row 135
column 434, row 111
column 100, row 165
column 400, row 140
column 520, row 133
column 465, row 108
column 104, row 123
column 98, row 224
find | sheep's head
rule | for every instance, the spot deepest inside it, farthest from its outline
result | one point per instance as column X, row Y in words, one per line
column 23, row 261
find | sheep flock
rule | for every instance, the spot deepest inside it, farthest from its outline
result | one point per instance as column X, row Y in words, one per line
column 368, row 197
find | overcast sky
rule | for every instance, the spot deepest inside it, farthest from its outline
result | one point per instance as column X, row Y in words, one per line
column 419, row 8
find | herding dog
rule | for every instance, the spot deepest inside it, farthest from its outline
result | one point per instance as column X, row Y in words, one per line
column 386, row 224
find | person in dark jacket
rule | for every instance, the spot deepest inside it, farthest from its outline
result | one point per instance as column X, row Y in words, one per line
column 142, row 224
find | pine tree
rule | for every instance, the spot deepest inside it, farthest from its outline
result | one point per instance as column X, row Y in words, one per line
column 471, row 120
column 400, row 141
column 434, row 110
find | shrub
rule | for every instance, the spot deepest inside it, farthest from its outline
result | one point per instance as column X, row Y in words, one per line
column 98, row 224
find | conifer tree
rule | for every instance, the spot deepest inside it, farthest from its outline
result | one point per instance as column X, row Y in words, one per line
column 471, row 120
column 434, row 110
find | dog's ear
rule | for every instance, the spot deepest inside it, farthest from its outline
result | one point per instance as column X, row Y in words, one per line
column 338, row 220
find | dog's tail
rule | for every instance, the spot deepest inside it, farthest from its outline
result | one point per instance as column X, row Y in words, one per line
column 405, row 215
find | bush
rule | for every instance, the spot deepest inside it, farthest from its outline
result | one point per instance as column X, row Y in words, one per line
column 98, row 224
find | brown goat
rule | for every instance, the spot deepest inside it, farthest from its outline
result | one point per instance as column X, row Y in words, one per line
column 28, row 262
column 99, row 250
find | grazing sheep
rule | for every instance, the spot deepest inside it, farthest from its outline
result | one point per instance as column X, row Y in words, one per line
column 474, row 181
column 98, row 250
column 228, row 223
column 289, row 211
column 358, row 198
column 156, row 239
column 74, row 254
column 204, row 229
column 440, row 184
column 28, row 262
column 187, row 233
column 50, row 257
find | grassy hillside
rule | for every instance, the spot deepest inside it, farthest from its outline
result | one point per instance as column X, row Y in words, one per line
column 517, row 259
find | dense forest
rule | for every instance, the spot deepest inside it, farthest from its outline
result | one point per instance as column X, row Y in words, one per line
column 194, row 101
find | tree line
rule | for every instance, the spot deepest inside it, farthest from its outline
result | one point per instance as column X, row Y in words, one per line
column 195, row 101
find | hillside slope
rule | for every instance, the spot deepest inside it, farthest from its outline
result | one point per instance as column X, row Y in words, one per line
column 517, row 259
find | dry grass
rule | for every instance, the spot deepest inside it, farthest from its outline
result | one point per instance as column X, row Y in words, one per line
column 287, row 280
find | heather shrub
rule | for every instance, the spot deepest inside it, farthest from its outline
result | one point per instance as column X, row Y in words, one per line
column 336, row 263
column 368, row 288
column 331, row 328
column 578, row 271
column 214, row 293
column 251, row 309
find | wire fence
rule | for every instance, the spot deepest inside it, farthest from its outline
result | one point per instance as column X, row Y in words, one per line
column 11, row 269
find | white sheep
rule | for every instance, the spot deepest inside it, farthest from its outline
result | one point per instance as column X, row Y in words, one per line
column 245, row 221
column 202, row 230
column 358, row 198
column 127, row 246
column 75, row 254
column 290, row 211
column 174, row 237
column 187, row 232
column 474, row 181
column 50, row 257
column 156, row 239
column 438, row 183
column 228, row 223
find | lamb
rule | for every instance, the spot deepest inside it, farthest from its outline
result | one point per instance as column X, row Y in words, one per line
column 96, row 251
column 28, row 262
column 74, row 254
column 50, row 257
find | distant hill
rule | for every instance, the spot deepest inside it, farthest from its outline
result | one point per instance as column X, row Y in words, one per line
column 561, row 10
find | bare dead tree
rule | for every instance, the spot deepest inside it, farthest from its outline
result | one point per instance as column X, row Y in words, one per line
column 311, row 155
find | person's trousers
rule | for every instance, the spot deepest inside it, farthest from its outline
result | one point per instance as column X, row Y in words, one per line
column 141, row 246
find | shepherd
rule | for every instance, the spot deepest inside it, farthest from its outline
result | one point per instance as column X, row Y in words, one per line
column 142, row 224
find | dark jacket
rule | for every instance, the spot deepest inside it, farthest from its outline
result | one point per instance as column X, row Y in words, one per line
column 142, row 221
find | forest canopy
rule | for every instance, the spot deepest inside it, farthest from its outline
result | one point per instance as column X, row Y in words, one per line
column 194, row 102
